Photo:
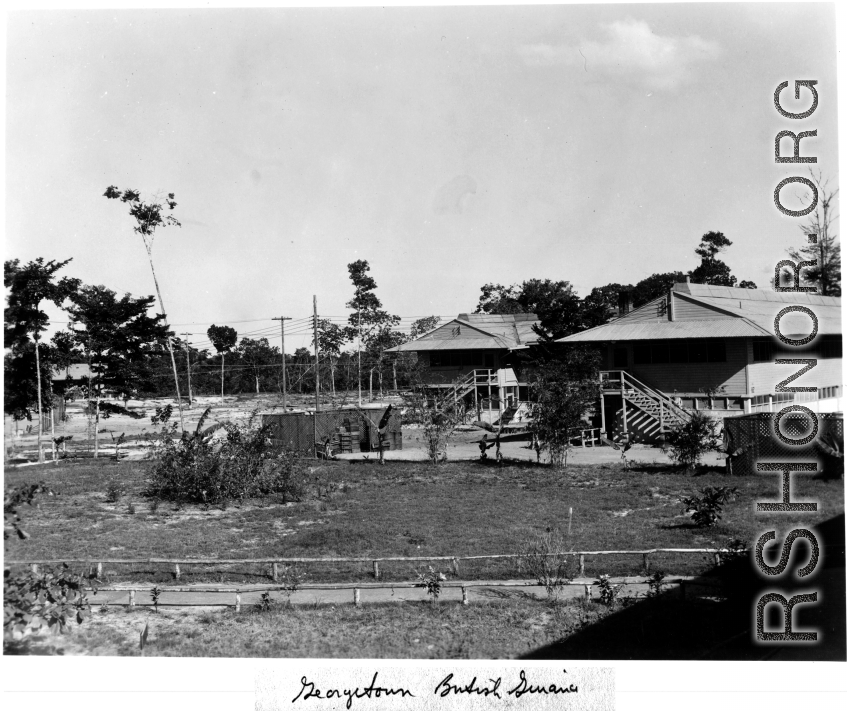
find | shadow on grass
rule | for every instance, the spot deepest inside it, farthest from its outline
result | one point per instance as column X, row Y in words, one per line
column 722, row 629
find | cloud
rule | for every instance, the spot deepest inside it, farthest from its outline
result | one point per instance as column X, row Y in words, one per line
column 450, row 198
column 631, row 51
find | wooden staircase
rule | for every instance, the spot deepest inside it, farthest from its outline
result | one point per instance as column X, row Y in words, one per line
column 656, row 413
column 451, row 398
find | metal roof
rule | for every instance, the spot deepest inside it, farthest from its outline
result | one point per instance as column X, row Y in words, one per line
column 497, row 331
column 642, row 331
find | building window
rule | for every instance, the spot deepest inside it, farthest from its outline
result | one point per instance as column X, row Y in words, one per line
column 619, row 358
column 679, row 352
column 641, row 354
column 716, row 351
column 762, row 351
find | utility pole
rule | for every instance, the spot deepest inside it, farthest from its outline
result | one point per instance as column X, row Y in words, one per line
column 359, row 350
column 188, row 365
column 317, row 372
column 282, row 320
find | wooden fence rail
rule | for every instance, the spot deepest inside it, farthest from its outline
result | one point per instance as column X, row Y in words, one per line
column 373, row 560
column 681, row 582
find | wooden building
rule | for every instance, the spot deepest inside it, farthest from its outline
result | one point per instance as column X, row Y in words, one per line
column 712, row 348
column 467, row 362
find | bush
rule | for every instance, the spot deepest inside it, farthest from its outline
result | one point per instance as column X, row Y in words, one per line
column 194, row 468
column 546, row 560
column 706, row 509
column 35, row 600
column 431, row 581
column 689, row 442
column 608, row 592
column 114, row 491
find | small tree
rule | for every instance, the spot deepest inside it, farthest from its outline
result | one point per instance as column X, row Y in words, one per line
column 258, row 354
column 149, row 216
column 223, row 338
column 564, row 389
column 330, row 339
column 691, row 440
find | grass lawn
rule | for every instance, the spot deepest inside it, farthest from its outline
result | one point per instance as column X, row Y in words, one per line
column 504, row 629
column 401, row 509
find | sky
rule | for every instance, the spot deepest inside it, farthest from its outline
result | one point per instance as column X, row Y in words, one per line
column 448, row 147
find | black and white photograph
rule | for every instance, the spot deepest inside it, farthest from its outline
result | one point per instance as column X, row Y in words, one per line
column 449, row 333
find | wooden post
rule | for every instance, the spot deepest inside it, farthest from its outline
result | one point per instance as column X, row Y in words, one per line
column 176, row 571
column 646, row 562
column 602, row 411
column 356, row 597
column 34, row 568
column 132, row 598
column 582, row 438
column 376, row 570
column 275, row 572
column 455, row 563
column 661, row 416
column 623, row 407
column 581, row 564
column 238, row 601
column 587, row 592
column 464, row 595
column 99, row 570
column 717, row 558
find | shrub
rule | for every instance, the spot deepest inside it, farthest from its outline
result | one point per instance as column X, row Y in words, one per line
column 545, row 559
column 194, row 468
column 34, row 600
column 655, row 584
column 608, row 592
column 114, row 491
column 431, row 580
column 690, row 441
column 706, row 509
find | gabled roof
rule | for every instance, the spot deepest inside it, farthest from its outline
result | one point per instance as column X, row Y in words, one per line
column 476, row 331
column 726, row 312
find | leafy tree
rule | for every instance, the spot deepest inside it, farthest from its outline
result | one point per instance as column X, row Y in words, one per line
column 564, row 390
column 499, row 299
column 116, row 335
column 825, row 251
column 223, row 338
column 330, row 339
column 150, row 216
column 598, row 307
column 712, row 270
column 369, row 322
column 654, row 286
column 27, row 287
column 554, row 302
column 257, row 354
column 424, row 325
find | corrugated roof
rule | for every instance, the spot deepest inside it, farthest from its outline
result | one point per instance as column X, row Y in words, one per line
column 735, row 294
column 642, row 331
column 450, row 344
column 763, row 312
column 501, row 331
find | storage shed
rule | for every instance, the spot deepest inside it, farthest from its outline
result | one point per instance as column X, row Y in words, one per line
column 348, row 429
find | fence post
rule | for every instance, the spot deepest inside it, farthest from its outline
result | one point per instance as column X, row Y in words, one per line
column 238, row 601
column 717, row 557
column 132, row 598
column 587, row 592
column 647, row 563
column 455, row 563
column 275, row 572
column 176, row 571
column 376, row 570
column 464, row 595
column 34, row 568
column 99, row 570
column 581, row 564
column 356, row 599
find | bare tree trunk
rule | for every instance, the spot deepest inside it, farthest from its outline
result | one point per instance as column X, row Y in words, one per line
column 332, row 375
column 168, row 340
column 394, row 373
column 371, row 386
column 96, row 424
column 222, row 376
column 38, row 385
